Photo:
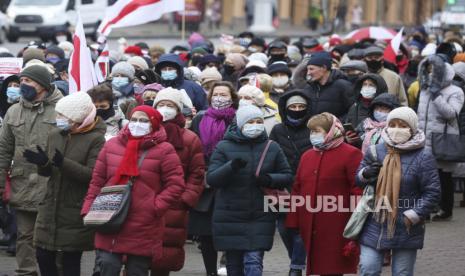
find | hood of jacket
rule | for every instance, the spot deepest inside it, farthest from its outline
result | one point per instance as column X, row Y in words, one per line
column 234, row 134
column 174, row 61
column 384, row 99
column 443, row 74
column 6, row 81
column 381, row 86
column 282, row 105
column 51, row 99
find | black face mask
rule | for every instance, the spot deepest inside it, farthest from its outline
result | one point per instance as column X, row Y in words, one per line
column 352, row 78
column 196, row 60
column 148, row 102
column 278, row 57
column 228, row 69
column 296, row 114
column 105, row 114
column 374, row 65
column 412, row 68
column 29, row 93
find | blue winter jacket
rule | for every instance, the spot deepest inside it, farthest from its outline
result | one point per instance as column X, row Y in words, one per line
column 419, row 191
column 195, row 91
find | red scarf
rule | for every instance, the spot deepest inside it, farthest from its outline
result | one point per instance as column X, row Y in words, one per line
column 174, row 129
column 128, row 166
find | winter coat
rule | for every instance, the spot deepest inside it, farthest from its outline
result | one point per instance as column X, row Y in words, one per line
column 435, row 113
column 193, row 90
column 159, row 186
column 115, row 124
column 59, row 222
column 25, row 126
column 395, row 85
column 293, row 139
column 335, row 96
column 360, row 110
column 419, row 191
column 326, row 173
column 239, row 221
column 175, row 235
column 270, row 118
column 4, row 104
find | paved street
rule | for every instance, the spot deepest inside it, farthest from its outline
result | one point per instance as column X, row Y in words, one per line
column 443, row 255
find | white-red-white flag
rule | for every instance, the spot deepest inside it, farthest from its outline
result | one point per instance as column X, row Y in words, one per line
column 102, row 64
column 125, row 13
column 81, row 68
column 392, row 49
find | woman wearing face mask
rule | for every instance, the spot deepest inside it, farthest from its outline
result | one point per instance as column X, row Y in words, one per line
column 189, row 149
column 210, row 126
column 67, row 160
column 370, row 129
column 9, row 94
column 102, row 97
column 251, row 95
column 158, row 185
column 366, row 88
column 280, row 73
column 406, row 181
column 122, row 75
column 241, row 226
column 149, row 93
column 326, row 172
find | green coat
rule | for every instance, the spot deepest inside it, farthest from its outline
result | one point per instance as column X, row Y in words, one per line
column 59, row 224
column 25, row 126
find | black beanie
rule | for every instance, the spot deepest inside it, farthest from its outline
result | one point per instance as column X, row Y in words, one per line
column 39, row 74
column 321, row 59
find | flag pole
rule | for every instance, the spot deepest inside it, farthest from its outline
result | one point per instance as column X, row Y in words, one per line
column 183, row 28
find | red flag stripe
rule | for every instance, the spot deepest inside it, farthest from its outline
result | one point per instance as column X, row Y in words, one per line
column 75, row 70
column 134, row 5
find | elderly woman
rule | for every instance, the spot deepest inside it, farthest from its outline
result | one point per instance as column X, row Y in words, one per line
column 404, row 174
column 70, row 156
column 140, row 151
column 241, row 226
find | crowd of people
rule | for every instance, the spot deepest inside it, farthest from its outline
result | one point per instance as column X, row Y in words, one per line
column 206, row 133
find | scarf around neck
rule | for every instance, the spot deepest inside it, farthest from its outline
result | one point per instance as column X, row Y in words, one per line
column 128, row 166
column 213, row 126
column 174, row 131
column 372, row 132
column 334, row 138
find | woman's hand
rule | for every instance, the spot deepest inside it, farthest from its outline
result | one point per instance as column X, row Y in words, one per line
column 372, row 170
column 352, row 137
column 39, row 158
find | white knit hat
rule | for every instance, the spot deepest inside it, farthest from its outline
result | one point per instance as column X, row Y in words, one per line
column 430, row 49
column 210, row 74
column 139, row 62
column 296, row 99
column 124, row 68
column 259, row 56
column 172, row 95
column 255, row 93
column 247, row 113
column 76, row 106
column 256, row 63
column 405, row 114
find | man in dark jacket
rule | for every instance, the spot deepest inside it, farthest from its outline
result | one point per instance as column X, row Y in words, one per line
column 170, row 68
column 293, row 137
column 327, row 89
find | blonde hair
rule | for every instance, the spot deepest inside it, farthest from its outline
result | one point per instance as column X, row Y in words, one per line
column 266, row 82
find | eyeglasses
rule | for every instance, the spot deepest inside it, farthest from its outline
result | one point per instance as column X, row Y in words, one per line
column 140, row 120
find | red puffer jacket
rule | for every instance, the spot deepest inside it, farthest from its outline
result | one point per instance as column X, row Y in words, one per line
column 175, row 234
column 157, row 188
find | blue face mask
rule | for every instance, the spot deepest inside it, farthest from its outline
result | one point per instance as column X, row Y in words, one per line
column 53, row 60
column 169, row 75
column 29, row 93
column 253, row 130
column 380, row 116
column 119, row 82
column 317, row 139
column 63, row 124
column 13, row 94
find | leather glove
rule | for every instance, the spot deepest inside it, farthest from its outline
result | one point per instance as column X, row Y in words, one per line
column 238, row 164
column 58, row 158
column 39, row 158
column 264, row 180
column 372, row 170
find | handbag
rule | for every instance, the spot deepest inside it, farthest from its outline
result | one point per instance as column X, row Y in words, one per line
column 110, row 208
column 276, row 193
column 357, row 220
column 448, row 147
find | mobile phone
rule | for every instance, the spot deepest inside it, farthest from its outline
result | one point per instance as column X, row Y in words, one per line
column 349, row 127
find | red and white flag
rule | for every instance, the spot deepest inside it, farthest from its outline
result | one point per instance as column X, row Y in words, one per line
column 392, row 49
column 81, row 68
column 125, row 13
column 102, row 64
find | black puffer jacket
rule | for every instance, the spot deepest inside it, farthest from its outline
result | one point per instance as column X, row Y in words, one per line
column 239, row 220
column 335, row 96
column 359, row 111
column 293, row 139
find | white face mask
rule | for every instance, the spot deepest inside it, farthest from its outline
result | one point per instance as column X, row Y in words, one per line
column 253, row 130
column 280, row 81
column 139, row 129
column 244, row 102
column 399, row 135
column 168, row 113
column 368, row 92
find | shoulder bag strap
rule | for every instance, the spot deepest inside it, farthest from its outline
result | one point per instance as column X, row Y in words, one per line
column 262, row 158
